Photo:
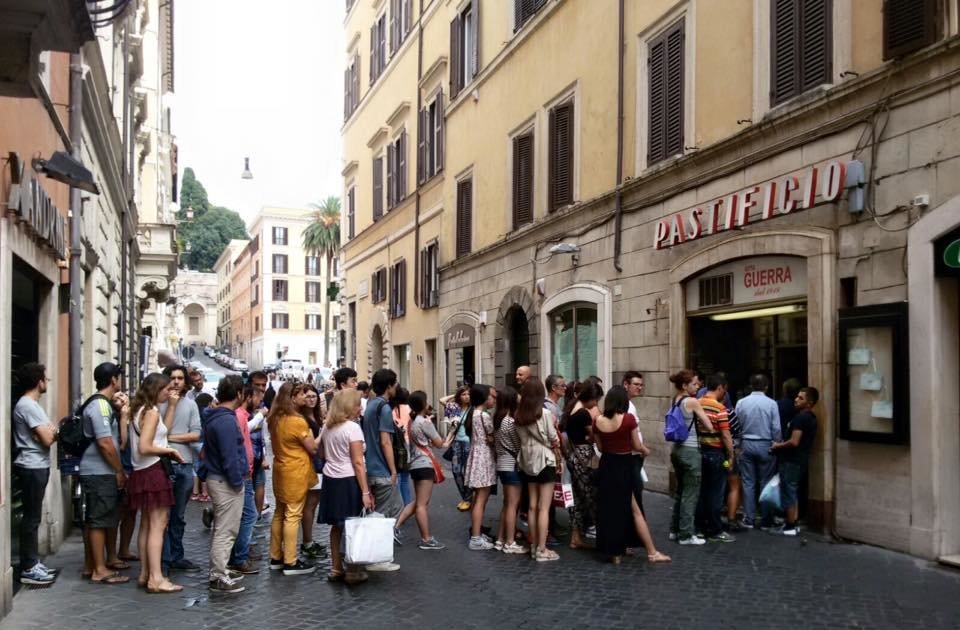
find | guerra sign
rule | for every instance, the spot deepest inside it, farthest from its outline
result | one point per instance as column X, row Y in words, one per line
column 757, row 203
column 753, row 280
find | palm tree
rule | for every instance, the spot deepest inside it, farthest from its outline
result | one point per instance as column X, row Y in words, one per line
column 322, row 238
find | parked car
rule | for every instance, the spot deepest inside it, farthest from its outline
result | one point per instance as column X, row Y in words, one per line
column 241, row 366
column 210, row 382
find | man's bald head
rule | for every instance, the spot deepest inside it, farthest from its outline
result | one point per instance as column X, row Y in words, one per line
column 523, row 374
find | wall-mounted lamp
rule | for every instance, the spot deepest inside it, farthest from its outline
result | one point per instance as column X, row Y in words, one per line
column 567, row 248
column 246, row 169
column 62, row 167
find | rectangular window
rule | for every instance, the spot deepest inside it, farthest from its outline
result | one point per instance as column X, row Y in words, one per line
column 464, row 48
column 800, row 47
column 280, row 290
column 281, row 320
column 464, row 217
column 378, row 48
column 351, row 213
column 523, row 180
column 279, row 236
column 665, row 65
column 397, row 171
column 378, row 286
column 254, row 295
column 398, row 289
column 256, row 323
column 350, row 4
column 430, row 140
column 716, row 290
column 313, row 321
column 908, row 25
column 401, row 21
column 430, row 276
column 279, row 263
column 351, row 87
column 314, row 291
column 377, row 188
column 311, row 266
column 561, row 156
column 523, row 10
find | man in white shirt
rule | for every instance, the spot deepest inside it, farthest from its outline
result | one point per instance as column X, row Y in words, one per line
column 760, row 421
column 633, row 383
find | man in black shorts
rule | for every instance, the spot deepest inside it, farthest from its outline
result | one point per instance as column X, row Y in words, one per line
column 794, row 455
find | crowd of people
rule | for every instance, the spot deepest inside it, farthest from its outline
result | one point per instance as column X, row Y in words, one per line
column 338, row 454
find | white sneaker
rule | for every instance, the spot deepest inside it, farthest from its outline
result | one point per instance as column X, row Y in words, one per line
column 673, row 535
column 514, row 547
column 591, row 532
column 479, row 544
column 498, row 546
column 693, row 540
column 383, row 567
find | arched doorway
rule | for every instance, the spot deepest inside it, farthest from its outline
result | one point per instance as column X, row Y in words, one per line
column 517, row 342
column 516, row 336
column 376, row 349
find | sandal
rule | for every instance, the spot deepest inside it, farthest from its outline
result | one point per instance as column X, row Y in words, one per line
column 336, row 576
column 615, row 559
column 119, row 565
column 165, row 587
column 113, row 578
column 356, row 578
column 658, row 557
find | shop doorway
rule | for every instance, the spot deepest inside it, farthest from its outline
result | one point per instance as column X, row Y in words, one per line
column 460, row 367
column 376, row 350
column 518, row 342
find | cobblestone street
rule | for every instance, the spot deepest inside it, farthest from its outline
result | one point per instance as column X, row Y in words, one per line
column 758, row 582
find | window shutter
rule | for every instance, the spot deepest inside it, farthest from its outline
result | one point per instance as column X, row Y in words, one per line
column 402, row 288
column 816, row 46
column 391, row 176
column 475, row 39
column 356, row 80
column 347, row 83
column 377, row 188
column 373, row 52
column 464, row 217
column 455, row 63
column 422, row 289
column 401, row 168
column 407, row 16
column 674, row 90
column 656, row 92
column 784, row 49
column 394, row 26
column 382, row 48
column 522, row 180
column 439, row 135
column 908, row 25
column 422, row 144
column 561, row 156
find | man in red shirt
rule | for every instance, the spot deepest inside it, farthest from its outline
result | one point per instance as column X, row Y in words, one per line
column 716, row 451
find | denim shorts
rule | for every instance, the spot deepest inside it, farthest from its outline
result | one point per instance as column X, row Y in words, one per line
column 510, row 477
column 259, row 474
column 791, row 473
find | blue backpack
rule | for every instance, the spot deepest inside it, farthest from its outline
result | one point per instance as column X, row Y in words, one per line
column 675, row 427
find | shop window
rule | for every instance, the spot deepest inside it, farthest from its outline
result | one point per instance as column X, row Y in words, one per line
column 874, row 400
column 716, row 291
column 402, row 362
column 573, row 329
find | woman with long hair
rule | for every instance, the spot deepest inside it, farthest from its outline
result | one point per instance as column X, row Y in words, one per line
column 293, row 475
column 424, row 470
column 540, row 462
column 481, row 473
column 345, row 490
column 685, row 457
column 579, row 429
column 313, row 412
column 454, row 410
column 149, row 489
column 400, row 407
column 507, row 444
column 619, row 519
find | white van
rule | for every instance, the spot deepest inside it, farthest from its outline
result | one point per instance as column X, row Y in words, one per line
column 291, row 368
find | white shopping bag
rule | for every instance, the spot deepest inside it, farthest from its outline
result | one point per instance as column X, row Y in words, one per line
column 369, row 539
column 563, row 491
column 770, row 495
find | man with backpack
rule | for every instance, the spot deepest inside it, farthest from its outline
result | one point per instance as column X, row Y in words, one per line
column 102, row 476
column 33, row 434
column 378, row 432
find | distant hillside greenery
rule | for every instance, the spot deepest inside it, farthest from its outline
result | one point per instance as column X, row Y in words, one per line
column 211, row 229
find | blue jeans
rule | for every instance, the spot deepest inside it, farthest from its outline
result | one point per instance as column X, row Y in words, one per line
column 241, row 547
column 757, row 466
column 403, row 480
column 713, row 491
column 182, row 489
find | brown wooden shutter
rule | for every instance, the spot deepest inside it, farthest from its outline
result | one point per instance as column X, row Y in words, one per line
column 475, row 37
column 391, row 176
column 346, row 93
column 455, row 63
column 665, row 65
column 673, row 138
column 784, row 50
column 382, row 48
column 801, row 47
column 394, row 25
column 816, row 44
column 464, row 217
column 908, row 25
column 402, row 288
column 656, row 98
column 374, row 38
column 522, row 180
column 421, row 144
column 401, row 168
column 356, row 80
column 561, row 156
column 408, row 16
column 377, row 188
column 438, row 138
column 422, row 280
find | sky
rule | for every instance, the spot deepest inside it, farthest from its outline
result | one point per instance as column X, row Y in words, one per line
column 262, row 80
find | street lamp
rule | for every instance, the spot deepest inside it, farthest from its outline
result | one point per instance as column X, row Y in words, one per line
column 246, row 169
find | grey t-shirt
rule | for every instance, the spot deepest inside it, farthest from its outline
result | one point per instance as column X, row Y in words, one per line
column 422, row 432
column 99, row 422
column 27, row 416
column 186, row 419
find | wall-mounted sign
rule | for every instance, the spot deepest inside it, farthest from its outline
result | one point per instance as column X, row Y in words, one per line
column 750, row 280
column 758, row 203
column 460, row 336
column 34, row 207
column 946, row 252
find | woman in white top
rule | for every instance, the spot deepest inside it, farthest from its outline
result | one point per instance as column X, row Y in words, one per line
column 424, row 470
column 149, row 489
column 507, row 443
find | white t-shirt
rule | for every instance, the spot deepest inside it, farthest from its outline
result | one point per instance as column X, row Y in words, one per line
column 336, row 449
column 632, row 409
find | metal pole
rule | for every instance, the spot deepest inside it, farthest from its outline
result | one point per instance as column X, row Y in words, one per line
column 76, row 212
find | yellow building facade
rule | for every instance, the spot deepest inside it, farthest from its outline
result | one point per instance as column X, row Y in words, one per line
column 744, row 186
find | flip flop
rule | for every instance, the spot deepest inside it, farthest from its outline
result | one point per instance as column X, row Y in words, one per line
column 85, row 575
column 113, row 578
column 119, row 565
column 335, row 576
column 158, row 590
column 129, row 558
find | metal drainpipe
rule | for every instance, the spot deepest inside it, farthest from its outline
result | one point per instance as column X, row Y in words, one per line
column 126, row 320
column 417, row 280
column 618, row 211
column 76, row 212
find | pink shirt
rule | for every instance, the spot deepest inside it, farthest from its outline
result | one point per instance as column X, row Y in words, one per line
column 243, row 416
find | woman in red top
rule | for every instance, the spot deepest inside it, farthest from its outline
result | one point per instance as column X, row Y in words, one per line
column 619, row 519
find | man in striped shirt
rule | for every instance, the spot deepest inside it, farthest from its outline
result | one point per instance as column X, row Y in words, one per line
column 716, row 451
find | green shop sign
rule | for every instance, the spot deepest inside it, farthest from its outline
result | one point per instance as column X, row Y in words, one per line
column 946, row 252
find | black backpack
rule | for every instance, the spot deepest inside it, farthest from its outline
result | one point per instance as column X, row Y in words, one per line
column 401, row 457
column 73, row 441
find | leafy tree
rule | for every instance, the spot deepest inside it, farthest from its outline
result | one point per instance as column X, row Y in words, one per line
column 192, row 195
column 322, row 238
column 208, row 236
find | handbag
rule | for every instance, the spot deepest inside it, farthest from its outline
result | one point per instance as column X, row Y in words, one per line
column 563, row 491
column 369, row 538
column 448, row 454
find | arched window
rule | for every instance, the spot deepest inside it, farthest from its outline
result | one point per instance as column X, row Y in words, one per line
column 573, row 333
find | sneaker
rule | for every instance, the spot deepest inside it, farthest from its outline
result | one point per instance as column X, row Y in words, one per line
column 552, row 541
column 486, row 538
column 300, row 568
column 36, row 575
column 234, row 575
column 693, row 540
column 672, row 536
column 247, row 568
column 736, row 526
column 184, row 565
column 477, row 543
column 788, row 531
column 547, row 555
column 747, row 523
column 276, row 565
column 591, row 532
column 397, row 536
column 463, row 506
column 207, row 516
column 515, row 548
column 498, row 545
column 431, row 543
column 261, row 523
column 226, row 585
column 383, row 567
column 313, row 549
column 722, row 537
column 53, row 572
